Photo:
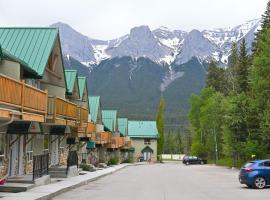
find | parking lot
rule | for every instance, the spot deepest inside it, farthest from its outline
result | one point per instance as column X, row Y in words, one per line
column 169, row 181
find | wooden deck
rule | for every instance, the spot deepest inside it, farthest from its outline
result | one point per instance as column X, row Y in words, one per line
column 116, row 142
column 22, row 100
column 62, row 112
column 103, row 138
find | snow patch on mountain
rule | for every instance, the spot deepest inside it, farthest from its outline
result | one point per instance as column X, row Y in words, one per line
column 161, row 45
column 169, row 79
column 100, row 52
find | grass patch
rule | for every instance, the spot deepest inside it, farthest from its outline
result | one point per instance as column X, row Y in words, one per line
column 227, row 162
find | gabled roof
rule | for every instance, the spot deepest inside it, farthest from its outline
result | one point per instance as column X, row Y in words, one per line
column 109, row 116
column 109, row 124
column 94, row 103
column 142, row 129
column 82, row 85
column 29, row 46
column 71, row 77
column 123, row 126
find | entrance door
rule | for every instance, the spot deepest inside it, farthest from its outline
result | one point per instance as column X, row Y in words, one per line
column 146, row 156
column 16, row 155
column 54, row 150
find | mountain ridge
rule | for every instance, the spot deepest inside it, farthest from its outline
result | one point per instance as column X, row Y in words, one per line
column 161, row 45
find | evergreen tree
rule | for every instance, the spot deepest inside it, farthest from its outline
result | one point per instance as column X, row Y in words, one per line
column 260, row 90
column 264, row 26
column 160, row 126
column 216, row 78
column 242, row 69
column 231, row 70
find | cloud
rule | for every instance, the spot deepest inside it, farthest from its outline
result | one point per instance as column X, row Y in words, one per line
column 107, row 19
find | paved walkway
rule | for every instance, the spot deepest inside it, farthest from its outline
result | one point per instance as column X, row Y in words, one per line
column 169, row 181
column 48, row 191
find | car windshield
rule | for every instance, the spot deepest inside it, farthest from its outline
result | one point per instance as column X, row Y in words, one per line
column 249, row 164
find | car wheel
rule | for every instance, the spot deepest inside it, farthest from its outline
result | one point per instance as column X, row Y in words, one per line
column 260, row 182
column 202, row 163
column 187, row 163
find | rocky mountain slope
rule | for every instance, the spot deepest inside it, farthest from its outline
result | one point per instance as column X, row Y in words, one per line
column 131, row 72
column 160, row 45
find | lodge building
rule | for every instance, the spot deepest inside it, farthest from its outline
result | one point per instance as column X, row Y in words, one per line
column 49, row 124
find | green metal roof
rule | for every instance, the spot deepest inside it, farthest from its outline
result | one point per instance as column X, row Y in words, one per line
column 1, row 53
column 142, row 129
column 123, row 126
column 108, row 125
column 71, row 77
column 94, row 103
column 109, row 117
column 30, row 46
column 82, row 85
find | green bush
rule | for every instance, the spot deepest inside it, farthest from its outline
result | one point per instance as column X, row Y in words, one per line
column 128, row 160
column 85, row 167
column 227, row 162
column 113, row 160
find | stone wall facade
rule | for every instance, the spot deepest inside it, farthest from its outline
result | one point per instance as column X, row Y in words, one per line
column 63, row 154
column 4, row 168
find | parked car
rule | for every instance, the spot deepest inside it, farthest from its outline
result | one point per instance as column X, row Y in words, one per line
column 193, row 160
column 255, row 174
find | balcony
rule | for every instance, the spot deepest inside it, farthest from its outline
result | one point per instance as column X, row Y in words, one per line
column 83, row 114
column 91, row 131
column 103, row 137
column 116, row 142
column 127, row 144
column 77, row 132
column 22, row 100
column 62, row 112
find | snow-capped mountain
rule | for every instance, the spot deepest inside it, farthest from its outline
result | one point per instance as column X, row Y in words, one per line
column 160, row 45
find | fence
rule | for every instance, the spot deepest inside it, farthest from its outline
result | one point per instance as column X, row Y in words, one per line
column 40, row 165
column 72, row 159
column 172, row 156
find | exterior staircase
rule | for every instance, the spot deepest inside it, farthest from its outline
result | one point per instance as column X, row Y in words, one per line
column 18, row 184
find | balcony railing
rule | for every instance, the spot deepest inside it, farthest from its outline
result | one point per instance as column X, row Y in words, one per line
column 128, row 144
column 91, row 131
column 83, row 112
column 103, row 137
column 59, row 108
column 22, row 97
column 117, row 142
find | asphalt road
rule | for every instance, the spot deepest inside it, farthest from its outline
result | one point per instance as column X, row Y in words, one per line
column 169, row 181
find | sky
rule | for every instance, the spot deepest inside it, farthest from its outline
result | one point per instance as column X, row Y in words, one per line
column 108, row 19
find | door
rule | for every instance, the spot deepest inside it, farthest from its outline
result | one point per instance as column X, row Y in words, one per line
column 146, row 156
column 54, row 150
column 16, row 155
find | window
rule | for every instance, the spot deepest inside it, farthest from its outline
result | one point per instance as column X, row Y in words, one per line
column 29, row 156
column 46, row 141
column 2, row 148
column 147, row 141
column 266, row 164
column 29, row 149
column 33, row 82
column 50, row 62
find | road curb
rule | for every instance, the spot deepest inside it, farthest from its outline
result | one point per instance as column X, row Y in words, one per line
column 84, row 182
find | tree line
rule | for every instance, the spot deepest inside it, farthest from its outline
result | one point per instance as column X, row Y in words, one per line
column 230, row 119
